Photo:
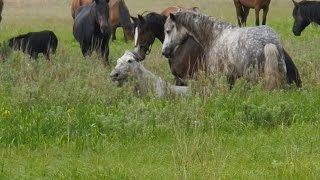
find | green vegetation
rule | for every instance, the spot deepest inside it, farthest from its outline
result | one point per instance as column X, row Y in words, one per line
column 65, row 119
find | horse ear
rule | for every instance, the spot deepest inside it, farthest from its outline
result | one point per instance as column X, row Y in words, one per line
column 295, row 3
column 172, row 17
column 134, row 19
column 141, row 18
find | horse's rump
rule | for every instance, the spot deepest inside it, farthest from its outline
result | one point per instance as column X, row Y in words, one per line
column 76, row 4
column 174, row 9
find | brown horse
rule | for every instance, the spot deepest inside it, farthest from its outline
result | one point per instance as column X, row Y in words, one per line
column 243, row 6
column 76, row 4
column 1, row 7
column 119, row 16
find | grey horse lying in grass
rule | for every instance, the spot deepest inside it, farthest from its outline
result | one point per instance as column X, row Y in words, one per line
column 146, row 81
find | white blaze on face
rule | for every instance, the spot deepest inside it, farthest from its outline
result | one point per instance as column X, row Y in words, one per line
column 136, row 36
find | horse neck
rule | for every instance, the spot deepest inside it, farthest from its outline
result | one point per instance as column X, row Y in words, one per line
column 157, row 26
column 205, row 29
column 311, row 12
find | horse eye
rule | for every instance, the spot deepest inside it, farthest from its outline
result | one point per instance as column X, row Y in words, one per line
column 130, row 61
column 168, row 31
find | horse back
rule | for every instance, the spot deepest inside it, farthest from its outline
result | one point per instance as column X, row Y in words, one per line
column 76, row 4
column 174, row 9
column 84, row 23
column 254, row 3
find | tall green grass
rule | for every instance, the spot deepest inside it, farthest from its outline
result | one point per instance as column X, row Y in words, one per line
column 65, row 119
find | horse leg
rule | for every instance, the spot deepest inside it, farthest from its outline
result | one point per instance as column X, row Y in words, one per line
column 231, row 81
column 114, row 29
column 47, row 56
column 180, row 81
column 265, row 12
column 239, row 12
column 245, row 15
column 34, row 55
column 85, row 49
column 257, row 10
column 124, row 35
column 104, row 52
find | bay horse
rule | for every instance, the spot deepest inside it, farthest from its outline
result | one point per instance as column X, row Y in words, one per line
column 187, row 59
column 230, row 51
column 243, row 7
column 91, row 29
column 119, row 16
column 145, row 81
column 304, row 13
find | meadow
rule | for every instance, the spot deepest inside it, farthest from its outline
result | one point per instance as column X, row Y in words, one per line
column 65, row 118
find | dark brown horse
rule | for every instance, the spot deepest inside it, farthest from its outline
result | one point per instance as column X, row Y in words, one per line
column 91, row 29
column 119, row 16
column 188, row 56
column 243, row 6
column 1, row 7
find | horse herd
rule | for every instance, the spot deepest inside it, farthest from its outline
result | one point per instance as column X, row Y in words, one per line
column 191, row 41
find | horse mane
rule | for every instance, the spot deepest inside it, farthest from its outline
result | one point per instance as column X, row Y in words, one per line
column 155, row 18
column 124, row 14
column 310, row 10
column 195, row 21
column 156, row 23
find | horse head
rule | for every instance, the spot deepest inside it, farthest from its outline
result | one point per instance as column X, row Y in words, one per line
column 175, row 35
column 144, row 35
column 102, row 15
column 126, row 64
column 300, row 23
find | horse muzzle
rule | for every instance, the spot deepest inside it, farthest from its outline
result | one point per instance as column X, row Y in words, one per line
column 114, row 75
column 104, row 28
column 166, row 53
column 296, row 33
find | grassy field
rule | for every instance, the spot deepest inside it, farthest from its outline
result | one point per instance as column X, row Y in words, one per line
column 65, row 119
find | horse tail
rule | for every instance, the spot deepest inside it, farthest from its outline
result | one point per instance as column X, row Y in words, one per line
column 274, row 67
column 292, row 71
column 53, row 42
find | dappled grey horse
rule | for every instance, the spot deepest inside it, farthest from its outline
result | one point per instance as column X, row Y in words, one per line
column 251, row 52
column 145, row 80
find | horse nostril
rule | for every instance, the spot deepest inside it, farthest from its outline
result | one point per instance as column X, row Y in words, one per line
column 114, row 75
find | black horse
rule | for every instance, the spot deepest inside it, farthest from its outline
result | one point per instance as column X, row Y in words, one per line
column 33, row 43
column 91, row 29
column 304, row 13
